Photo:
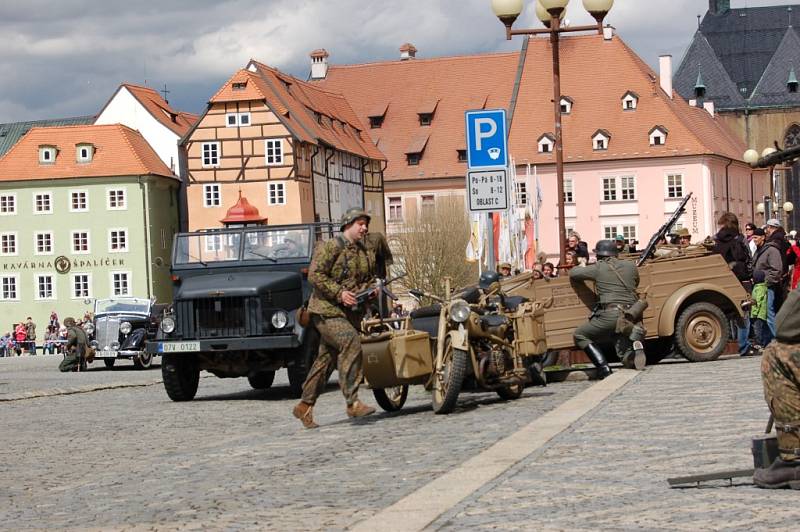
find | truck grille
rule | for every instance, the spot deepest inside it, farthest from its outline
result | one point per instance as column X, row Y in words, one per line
column 220, row 317
column 106, row 331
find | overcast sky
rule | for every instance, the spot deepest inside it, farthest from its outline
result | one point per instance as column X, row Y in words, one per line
column 66, row 57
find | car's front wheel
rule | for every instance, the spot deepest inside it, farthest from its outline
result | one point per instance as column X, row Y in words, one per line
column 109, row 362
column 181, row 376
column 701, row 332
column 143, row 360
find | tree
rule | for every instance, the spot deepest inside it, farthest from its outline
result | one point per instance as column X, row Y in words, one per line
column 433, row 246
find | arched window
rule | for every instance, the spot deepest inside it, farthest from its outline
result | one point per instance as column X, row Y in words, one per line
column 792, row 137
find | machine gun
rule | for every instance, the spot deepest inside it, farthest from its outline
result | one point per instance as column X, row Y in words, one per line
column 662, row 233
column 363, row 295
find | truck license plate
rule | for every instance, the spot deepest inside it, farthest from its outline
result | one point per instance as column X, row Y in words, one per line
column 178, row 347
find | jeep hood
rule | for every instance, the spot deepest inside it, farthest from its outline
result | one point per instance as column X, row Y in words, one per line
column 237, row 284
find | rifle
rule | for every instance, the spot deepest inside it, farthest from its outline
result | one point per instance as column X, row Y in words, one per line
column 661, row 233
column 363, row 295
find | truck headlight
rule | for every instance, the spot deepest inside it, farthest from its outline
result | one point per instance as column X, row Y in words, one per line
column 459, row 311
column 125, row 327
column 88, row 327
column 168, row 324
column 280, row 319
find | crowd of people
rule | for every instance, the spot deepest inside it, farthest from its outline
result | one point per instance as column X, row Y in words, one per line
column 22, row 339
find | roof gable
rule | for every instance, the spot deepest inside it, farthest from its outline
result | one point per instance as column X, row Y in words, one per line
column 701, row 59
column 772, row 87
column 178, row 122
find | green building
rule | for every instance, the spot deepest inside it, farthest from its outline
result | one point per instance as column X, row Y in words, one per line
column 86, row 212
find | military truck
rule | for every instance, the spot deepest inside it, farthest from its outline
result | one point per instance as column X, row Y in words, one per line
column 692, row 293
column 236, row 296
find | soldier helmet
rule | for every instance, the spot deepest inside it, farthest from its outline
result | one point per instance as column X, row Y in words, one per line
column 69, row 322
column 606, row 248
column 353, row 214
column 488, row 278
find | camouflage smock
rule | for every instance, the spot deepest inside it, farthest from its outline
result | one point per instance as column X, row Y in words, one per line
column 338, row 265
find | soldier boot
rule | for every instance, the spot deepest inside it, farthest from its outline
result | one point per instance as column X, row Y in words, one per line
column 359, row 409
column 781, row 474
column 304, row 412
column 635, row 359
column 598, row 359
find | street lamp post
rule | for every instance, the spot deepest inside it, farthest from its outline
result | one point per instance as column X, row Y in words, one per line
column 550, row 12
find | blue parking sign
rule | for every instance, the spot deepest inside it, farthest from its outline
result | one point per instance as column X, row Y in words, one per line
column 487, row 143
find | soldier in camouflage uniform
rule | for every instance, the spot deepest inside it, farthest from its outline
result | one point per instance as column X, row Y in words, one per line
column 75, row 348
column 339, row 269
column 780, row 374
column 615, row 284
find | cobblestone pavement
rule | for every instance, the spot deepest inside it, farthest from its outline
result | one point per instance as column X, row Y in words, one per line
column 609, row 471
column 128, row 458
column 28, row 376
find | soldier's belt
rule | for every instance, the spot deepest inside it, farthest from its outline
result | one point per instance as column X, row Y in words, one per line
column 788, row 428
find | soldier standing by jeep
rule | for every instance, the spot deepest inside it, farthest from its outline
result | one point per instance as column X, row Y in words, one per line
column 339, row 270
column 615, row 284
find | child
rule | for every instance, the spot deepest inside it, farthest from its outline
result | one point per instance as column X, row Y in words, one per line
column 758, row 311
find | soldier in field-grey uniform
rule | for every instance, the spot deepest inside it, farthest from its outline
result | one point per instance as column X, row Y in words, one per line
column 615, row 285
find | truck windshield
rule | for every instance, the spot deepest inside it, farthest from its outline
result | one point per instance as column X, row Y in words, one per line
column 207, row 247
column 273, row 245
column 276, row 245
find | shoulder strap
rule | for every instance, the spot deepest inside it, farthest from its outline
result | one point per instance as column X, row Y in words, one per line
column 616, row 272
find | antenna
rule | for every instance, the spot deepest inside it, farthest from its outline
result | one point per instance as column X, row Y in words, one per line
column 164, row 91
column 698, row 21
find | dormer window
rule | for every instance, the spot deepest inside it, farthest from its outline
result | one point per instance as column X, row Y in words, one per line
column 658, row 136
column 426, row 112
column 376, row 115
column 630, row 101
column 600, row 140
column 425, row 119
column 239, row 85
column 47, row 154
column 546, row 143
column 566, row 105
column 375, row 122
column 413, row 158
column 462, row 156
column 84, row 153
column 416, row 148
column 792, row 83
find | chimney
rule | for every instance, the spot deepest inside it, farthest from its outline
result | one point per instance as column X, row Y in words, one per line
column 709, row 106
column 408, row 51
column 718, row 7
column 608, row 32
column 665, row 72
column 319, row 63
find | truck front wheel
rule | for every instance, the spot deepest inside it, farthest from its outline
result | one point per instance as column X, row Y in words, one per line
column 181, row 376
column 702, row 331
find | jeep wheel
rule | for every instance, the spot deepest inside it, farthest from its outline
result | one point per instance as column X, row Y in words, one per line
column 143, row 360
column 304, row 357
column 448, row 378
column 391, row 399
column 109, row 362
column 181, row 376
column 702, row 331
column 261, row 380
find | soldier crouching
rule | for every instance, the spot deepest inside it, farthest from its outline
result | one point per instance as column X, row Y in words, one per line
column 340, row 269
column 780, row 375
column 76, row 348
column 615, row 284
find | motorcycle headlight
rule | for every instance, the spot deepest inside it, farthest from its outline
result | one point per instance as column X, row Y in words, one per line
column 459, row 311
column 168, row 324
column 88, row 327
column 280, row 319
column 125, row 327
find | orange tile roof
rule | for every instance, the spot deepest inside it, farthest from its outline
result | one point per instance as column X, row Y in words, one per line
column 595, row 74
column 406, row 88
column 297, row 104
column 119, row 151
column 179, row 122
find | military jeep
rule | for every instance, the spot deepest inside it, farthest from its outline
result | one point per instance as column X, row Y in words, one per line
column 236, row 296
column 693, row 297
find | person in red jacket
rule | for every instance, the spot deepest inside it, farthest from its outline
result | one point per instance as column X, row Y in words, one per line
column 794, row 256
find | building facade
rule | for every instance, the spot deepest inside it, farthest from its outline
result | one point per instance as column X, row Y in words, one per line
column 86, row 212
column 297, row 153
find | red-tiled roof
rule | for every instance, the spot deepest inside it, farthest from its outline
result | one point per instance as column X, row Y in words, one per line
column 595, row 74
column 178, row 122
column 119, row 151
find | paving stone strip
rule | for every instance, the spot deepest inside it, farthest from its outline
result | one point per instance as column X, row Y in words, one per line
column 77, row 389
column 417, row 510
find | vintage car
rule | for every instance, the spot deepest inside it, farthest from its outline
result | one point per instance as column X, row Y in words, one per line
column 121, row 327
column 236, row 297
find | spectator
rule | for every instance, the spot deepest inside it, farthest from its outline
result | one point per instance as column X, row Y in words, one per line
column 794, row 250
column 758, row 312
column 51, row 341
column 6, row 345
column 549, row 270
column 768, row 259
column 776, row 234
column 62, row 338
column 54, row 321
column 748, row 233
column 622, row 246
column 20, row 337
column 579, row 247
column 570, row 261
column 504, row 269
column 731, row 244
column 30, row 332
column 537, row 273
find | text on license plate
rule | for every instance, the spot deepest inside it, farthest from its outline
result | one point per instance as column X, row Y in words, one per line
column 178, row 347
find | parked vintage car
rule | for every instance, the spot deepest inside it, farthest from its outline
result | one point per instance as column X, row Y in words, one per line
column 121, row 327
column 236, row 296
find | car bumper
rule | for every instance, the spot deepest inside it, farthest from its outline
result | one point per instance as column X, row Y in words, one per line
column 116, row 354
column 288, row 341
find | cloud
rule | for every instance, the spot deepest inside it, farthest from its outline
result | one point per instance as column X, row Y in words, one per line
column 67, row 57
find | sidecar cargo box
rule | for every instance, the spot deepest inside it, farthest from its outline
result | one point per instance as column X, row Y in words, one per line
column 395, row 358
column 411, row 353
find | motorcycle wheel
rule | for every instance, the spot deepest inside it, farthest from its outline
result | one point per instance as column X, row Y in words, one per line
column 448, row 379
column 391, row 399
column 509, row 393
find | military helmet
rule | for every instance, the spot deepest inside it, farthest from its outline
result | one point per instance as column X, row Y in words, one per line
column 488, row 278
column 606, row 248
column 352, row 214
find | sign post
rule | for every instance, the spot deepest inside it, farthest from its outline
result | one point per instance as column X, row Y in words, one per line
column 487, row 161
